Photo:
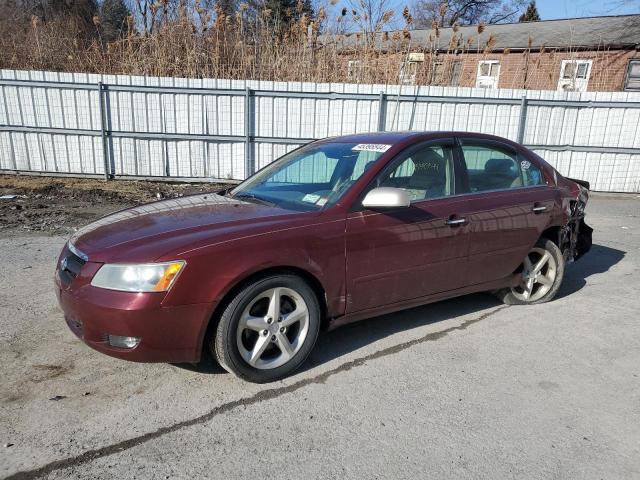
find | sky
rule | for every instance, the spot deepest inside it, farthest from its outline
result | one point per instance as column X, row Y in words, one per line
column 550, row 9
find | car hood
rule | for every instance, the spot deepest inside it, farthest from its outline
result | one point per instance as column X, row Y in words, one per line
column 169, row 227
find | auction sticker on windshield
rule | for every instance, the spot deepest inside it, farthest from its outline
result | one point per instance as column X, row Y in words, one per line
column 311, row 198
column 371, row 147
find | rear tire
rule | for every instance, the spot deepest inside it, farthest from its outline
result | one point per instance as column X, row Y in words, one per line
column 541, row 276
column 268, row 329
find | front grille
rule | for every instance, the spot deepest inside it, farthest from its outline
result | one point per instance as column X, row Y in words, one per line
column 70, row 266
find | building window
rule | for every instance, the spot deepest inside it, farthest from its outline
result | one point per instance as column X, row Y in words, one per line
column 456, row 70
column 632, row 82
column 574, row 75
column 488, row 74
column 446, row 73
column 410, row 68
column 354, row 70
column 408, row 73
column 437, row 73
column 575, row 70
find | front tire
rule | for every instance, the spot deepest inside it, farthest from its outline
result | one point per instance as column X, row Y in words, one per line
column 268, row 329
column 541, row 273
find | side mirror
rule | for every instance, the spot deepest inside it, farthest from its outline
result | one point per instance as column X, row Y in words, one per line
column 386, row 197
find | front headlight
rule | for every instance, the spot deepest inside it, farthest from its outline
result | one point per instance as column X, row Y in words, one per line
column 148, row 277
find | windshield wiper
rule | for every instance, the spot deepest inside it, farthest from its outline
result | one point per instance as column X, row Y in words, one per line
column 251, row 197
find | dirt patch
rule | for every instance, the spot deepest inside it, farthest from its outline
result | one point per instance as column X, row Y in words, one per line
column 47, row 372
column 62, row 205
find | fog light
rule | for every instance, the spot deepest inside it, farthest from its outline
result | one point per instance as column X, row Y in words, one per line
column 123, row 342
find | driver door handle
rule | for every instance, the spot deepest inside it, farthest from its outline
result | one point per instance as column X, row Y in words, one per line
column 454, row 221
column 538, row 209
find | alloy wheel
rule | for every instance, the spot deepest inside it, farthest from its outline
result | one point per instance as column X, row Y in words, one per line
column 272, row 328
column 539, row 271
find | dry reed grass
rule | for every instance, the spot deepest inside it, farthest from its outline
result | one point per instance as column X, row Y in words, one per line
column 198, row 43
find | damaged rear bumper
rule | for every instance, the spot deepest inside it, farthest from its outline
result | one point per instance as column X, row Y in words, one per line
column 576, row 236
column 582, row 239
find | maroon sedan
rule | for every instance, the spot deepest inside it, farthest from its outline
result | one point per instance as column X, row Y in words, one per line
column 335, row 231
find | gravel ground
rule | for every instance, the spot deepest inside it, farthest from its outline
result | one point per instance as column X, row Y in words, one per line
column 60, row 205
column 466, row 388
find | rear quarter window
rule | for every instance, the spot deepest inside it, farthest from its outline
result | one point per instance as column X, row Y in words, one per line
column 531, row 174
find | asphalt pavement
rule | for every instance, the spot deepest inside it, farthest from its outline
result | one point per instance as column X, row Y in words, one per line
column 466, row 388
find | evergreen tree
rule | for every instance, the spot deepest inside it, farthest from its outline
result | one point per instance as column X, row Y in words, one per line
column 227, row 7
column 282, row 13
column 531, row 15
column 113, row 19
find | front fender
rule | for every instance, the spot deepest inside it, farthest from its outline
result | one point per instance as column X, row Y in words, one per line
column 317, row 249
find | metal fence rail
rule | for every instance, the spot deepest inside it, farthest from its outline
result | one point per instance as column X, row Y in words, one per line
column 215, row 129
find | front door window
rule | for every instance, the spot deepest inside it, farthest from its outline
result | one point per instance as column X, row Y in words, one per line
column 425, row 174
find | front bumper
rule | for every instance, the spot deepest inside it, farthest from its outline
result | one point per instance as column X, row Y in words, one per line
column 168, row 333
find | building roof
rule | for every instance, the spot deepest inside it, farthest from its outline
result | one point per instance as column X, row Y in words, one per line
column 621, row 31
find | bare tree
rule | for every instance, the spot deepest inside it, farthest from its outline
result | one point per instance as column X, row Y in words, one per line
column 370, row 16
column 465, row 12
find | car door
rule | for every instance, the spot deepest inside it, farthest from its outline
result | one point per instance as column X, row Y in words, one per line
column 405, row 253
column 509, row 207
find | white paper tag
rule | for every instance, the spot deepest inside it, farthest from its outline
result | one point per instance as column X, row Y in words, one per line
column 371, row 147
column 311, row 198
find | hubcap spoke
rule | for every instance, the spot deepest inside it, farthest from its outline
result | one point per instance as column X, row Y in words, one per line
column 541, row 263
column 544, row 280
column 258, row 349
column 530, row 284
column 256, row 324
column 528, row 288
column 274, row 304
column 283, row 344
column 293, row 317
column 528, row 267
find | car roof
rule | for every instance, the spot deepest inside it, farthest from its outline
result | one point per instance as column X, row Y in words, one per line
column 374, row 137
column 409, row 137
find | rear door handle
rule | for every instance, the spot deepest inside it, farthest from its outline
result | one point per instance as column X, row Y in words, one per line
column 538, row 209
column 454, row 221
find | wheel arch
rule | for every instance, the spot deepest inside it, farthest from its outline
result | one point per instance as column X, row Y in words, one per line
column 553, row 233
column 307, row 276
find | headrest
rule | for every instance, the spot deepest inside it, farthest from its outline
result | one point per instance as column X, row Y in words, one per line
column 368, row 165
column 428, row 163
column 499, row 165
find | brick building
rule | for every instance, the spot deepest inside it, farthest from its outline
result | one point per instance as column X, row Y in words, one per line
column 582, row 54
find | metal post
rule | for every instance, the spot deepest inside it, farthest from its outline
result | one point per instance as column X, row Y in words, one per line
column 249, row 116
column 523, row 119
column 103, row 131
column 382, row 112
column 9, row 134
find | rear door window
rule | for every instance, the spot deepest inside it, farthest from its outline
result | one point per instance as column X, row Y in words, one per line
column 494, row 168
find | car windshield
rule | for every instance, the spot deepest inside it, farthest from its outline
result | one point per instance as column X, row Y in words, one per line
column 311, row 177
